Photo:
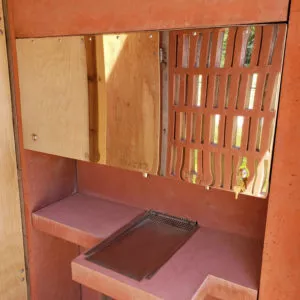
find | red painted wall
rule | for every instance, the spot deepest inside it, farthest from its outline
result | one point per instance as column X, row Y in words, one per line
column 214, row 208
column 61, row 17
column 280, row 279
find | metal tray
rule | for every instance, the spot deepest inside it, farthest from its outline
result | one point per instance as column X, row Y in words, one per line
column 141, row 247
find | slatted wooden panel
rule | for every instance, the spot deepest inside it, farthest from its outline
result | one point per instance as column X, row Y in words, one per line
column 223, row 96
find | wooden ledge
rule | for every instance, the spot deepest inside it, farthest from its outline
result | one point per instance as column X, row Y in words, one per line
column 83, row 220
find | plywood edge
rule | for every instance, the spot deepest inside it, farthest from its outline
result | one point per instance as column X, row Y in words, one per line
column 218, row 288
column 13, row 266
column 102, row 99
column 63, row 231
column 107, row 285
column 83, row 220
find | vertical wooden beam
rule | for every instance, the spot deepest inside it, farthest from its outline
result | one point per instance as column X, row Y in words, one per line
column 91, row 61
column 12, row 266
column 280, row 279
column 45, row 179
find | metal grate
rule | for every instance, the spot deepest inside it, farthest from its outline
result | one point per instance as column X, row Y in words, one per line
column 139, row 249
column 223, row 98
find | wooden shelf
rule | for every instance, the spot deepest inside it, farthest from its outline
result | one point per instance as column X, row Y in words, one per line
column 86, row 220
column 229, row 257
column 82, row 219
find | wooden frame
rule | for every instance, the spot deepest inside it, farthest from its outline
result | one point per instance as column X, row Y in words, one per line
column 13, row 282
column 63, row 17
column 281, row 260
column 280, row 271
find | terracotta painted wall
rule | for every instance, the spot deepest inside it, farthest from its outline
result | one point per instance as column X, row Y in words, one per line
column 215, row 208
column 280, row 279
column 61, row 17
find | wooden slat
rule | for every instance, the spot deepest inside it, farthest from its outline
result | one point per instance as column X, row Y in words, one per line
column 266, row 45
column 217, row 170
column 256, row 46
column 102, row 99
column 186, row 167
column 12, row 267
column 252, row 171
column 204, row 48
column 230, row 47
column 92, row 77
column 207, row 170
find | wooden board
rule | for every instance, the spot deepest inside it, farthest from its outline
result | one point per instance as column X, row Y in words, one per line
column 65, row 17
column 208, row 252
column 12, row 266
column 132, row 93
column 54, row 99
column 83, row 220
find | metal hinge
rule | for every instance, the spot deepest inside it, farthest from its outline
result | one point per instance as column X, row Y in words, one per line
column 162, row 56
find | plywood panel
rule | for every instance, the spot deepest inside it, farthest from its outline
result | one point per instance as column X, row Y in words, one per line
column 65, row 17
column 54, row 98
column 55, row 105
column 132, row 91
column 12, row 266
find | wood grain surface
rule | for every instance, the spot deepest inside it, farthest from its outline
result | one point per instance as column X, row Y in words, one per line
column 12, row 265
column 132, row 90
column 54, row 96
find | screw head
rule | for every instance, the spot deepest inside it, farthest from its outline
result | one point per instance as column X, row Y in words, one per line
column 145, row 175
column 244, row 173
column 150, row 36
column 34, row 137
column 194, row 33
column 207, row 188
